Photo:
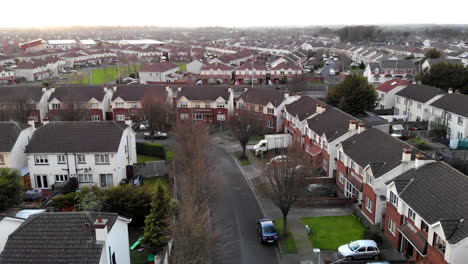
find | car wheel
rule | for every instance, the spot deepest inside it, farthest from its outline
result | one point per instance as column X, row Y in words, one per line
column 349, row 258
column 377, row 257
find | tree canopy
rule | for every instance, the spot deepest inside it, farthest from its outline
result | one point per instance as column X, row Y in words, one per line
column 157, row 223
column 446, row 75
column 433, row 53
column 10, row 187
column 353, row 95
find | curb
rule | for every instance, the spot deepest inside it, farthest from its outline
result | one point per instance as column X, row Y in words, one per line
column 278, row 250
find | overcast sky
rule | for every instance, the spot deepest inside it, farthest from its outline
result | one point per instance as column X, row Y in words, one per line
column 237, row 13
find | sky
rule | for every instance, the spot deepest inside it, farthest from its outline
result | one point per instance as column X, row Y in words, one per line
column 232, row 13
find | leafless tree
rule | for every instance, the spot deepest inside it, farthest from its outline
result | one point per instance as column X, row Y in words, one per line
column 157, row 111
column 18, row 109
column 244, row 124
column 73, row 111
column 297, row 84
column 283, row 179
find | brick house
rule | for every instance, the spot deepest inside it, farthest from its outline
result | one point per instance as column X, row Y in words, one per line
column 32, row 71
column 285, row 70
column 366, row 161
column 413, row 101
column 209, row 104
column 159, row 73
column 385, row 70
column 269, row 103
column 216, row 73
column 426, row 208
column 248, row 73
column 7, row 76
column 386, row 92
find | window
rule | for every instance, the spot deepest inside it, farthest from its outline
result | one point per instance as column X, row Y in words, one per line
column 197, row 105
column 96, row 118
column 393, row 199
column 341, row 156
column 398, row 100
column 85, row 177
column 221, row 117
column 119, row 105
column 2, row 159
column 352, row 164
column 370, row 180
column 411, row 214
column 101, row 158
column 183, row 104
column 106, row 180
column 271, row 111
column 42, row 181
column 439, row 243
column 197, row 117
column 61, row 159
column 449, row 116
column 460, row 120
column 341, row 178
column 270, row 124
column 397, row 111
column 221, row 105
column 325, row 164
column 120, row 117
column 459, row 135
column 61, row 177
column 81, row 158
column 391, row 226
column 55, row 106
column 424, row 227
column 207, row 105
column 361, row 171
column 134, row 105
column 94, row 106
column 184, row 116
column 41, row 159
column 260, row 108
column 419, row 106
column 369, row 204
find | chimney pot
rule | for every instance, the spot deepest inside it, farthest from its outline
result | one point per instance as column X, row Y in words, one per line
column 352, row 124
column 406, row 154
column 286, row 94
column 45, row 120
column 361, row 127
column 450, row 90
column 420, row 160
column 179, row 88
column 31, row 121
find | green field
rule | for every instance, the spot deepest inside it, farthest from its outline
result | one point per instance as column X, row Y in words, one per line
column 330, row 232
column 104, row 75
column 144, row 158
column 243, row 162
column 288, row 245
column 182, row 66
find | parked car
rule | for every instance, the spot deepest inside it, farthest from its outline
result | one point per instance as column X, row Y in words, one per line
column 360, row 249
column 278, row 159
column 267, row 231
column 156, row 134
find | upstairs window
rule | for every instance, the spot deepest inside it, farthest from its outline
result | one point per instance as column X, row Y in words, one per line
column 81, row 159
column 2, row 159
column 94, row 106
column 439, row 243
column 221, row 105
column 119, row 105
column 55, row 106
column 411, row 214
column 393, row 199
column 460, row 120
column 61, row 159
column 183, row 104
column 101, row 158
column 271, row 111
column 41, row 159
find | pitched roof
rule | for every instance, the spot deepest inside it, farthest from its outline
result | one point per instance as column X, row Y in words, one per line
column 263, row 96
column 392, row 84
column 333, row 123
column 76, row 137
column 376, row 148
column 286, row 66
column 303, row 108
column 208, row 92
column 437, row 192
column 9, row 133
column 78, row 93
column 136, row 92
column 9, row 94
column 434, row 61
column 248, row 66
column 160, row 67
column 56, row 238
column 398, row 64
column 216, row 66
column 420, row 92
column 456, row 103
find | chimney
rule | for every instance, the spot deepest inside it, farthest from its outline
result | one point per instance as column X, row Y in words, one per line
column 286, row 94
column 31, row 121
column 229, row 90
column 320, row 108
column 246, row 89
column 114, row 88
column 457, row 91
column 44, row 89
column 128, row 121
column 406, row 154
column 450, row 90
column 299, row 95
column 105, row 89
column 419, row 160
column 45, row 121
column 352, row 124
column 179, row 88
column 361, row 127
column 101, row 230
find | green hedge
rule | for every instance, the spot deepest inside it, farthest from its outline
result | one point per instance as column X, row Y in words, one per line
column 151, row 149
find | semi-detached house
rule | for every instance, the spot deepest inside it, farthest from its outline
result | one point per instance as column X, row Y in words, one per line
column 452, row 110
column 159, row 73
column 413, row 101
column 96, row 153
column 386, row 92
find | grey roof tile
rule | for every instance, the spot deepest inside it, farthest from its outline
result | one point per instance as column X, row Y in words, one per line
column 420, row 93
column 9, row 133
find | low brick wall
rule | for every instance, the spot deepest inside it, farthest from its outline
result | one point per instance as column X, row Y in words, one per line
column 306, row 202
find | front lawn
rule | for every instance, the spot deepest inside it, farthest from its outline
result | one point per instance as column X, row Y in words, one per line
column 182, row 66
column 151, row 183
column 136, row 257
column 288, row 245
column 330, row 232
column 144, row 158
column 243, row 162
column 104, row 75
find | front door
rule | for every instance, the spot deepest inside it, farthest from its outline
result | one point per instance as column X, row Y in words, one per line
column 408, row 249
column 42, row 182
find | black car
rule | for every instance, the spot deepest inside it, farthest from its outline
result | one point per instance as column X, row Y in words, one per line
column 266, row 231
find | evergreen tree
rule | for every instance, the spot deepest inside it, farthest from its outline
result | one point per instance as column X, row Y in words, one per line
column 10, row 187
column 157, row 222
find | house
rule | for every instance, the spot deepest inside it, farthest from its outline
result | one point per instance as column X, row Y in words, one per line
column 385, row 70
column 413, row 101
column 386, row 92
column 79, row 103
column 64, row 44
column 159, row 73
column 268, row 103
column 452, row 110
column 33, row 45
column 14, row 137
column 209, row 104
column 296, row 114
column 21, row 102
column 32, row 71
column 216, row 73
column 195, row 66
column 72, row 237
column 427, row 64
column 249, row 73
column 365, row 162
column 285, row 70
column 127, row 100
column 7, row 226
column 97, row 153
column 426, row 208
column 7, row 76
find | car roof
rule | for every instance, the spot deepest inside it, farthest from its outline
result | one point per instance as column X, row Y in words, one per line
column 266, row 222
column 367, row 243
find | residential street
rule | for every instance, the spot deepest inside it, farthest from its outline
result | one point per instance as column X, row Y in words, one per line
column 236, row 212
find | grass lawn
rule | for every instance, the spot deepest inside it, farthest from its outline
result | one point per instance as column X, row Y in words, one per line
column 256, row 138
column 243, row 162
column 330, row 232
column 135, row 256
column 182, row 66
column 144, row 158
column 150, row 184
column 288, row 245
column 104, row 75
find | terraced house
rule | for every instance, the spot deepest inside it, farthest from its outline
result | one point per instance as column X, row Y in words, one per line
column 413, row 101
column 452, row 110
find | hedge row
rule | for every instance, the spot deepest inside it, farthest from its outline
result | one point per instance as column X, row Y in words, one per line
column 150, row 149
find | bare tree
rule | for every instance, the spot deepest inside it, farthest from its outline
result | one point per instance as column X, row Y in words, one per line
column 73, row 111
column 18, row 109
column 157, row 111
column 284, row 179
column 297, row 84
column 245, row 124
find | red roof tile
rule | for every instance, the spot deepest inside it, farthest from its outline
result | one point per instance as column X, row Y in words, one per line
column 392, row 84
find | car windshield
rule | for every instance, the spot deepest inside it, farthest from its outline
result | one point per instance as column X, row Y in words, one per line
column 353, row 246
column 269, row 230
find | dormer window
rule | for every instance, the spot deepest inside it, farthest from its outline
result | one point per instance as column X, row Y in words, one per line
column 94, row 106
column 119, row 105
column 55, row 106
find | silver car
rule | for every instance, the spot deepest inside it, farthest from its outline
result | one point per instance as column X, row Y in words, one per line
column 360, row 249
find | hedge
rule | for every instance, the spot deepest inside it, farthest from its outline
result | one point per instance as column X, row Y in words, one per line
column 149, row 149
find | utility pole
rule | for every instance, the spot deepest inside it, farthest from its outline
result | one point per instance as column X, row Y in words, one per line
column 118, row 69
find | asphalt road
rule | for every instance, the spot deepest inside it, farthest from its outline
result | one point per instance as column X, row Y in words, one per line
column 235, row 212
column 326, row 74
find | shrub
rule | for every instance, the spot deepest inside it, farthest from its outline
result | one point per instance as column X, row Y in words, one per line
column 71, row 185
column 149, row 149
column 128, row 201
column 10, row 187
column 66, row 200
column 420, row 143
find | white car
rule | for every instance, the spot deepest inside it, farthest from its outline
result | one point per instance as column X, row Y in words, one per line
column 156, row 134
column 279, row 159
column 360, row 249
